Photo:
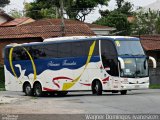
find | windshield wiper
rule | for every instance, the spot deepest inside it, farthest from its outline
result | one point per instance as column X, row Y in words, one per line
column 139, row 55
column 126, row 54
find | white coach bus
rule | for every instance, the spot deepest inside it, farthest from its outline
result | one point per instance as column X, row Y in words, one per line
column 60, row 65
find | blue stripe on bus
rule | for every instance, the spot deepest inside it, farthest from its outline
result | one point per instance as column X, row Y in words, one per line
column 50, row 64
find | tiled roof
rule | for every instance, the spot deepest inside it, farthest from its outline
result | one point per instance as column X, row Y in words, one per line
column 53, row 22
column 44, row 31
column 151, row 42
column 98, row 26
column 67, row 22
column 15, row 22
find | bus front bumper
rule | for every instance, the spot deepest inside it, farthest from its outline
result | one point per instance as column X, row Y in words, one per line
column 134, row 86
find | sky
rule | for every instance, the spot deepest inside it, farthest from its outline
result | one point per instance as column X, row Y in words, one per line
column 18, row 5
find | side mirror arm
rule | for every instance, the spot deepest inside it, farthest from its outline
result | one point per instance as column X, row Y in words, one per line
column 122, row 65
column 154, row 61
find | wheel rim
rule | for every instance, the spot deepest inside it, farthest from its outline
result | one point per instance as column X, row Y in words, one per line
column 96, row 87
column 38, row 90
column 28, row 89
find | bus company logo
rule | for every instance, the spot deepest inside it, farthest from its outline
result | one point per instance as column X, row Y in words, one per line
column 66, row 63
column 52, row 64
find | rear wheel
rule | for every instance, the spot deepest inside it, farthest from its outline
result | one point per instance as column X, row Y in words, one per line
column 28, row 90
column 38, row 90
column 123, row 92
column 97, row 88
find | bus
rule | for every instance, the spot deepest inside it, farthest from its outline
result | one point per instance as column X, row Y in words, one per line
column 66, row 64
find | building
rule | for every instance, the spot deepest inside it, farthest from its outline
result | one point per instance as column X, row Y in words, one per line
column 17, row 22
column 5, row 17
column 151, row 44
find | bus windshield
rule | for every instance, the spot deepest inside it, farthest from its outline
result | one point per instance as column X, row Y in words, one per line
column 135, row 67
column 129, row 48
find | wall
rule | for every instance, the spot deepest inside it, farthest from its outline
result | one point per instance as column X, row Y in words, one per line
column 2, row 20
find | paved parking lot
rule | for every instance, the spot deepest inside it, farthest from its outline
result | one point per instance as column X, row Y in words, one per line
column 135, row 102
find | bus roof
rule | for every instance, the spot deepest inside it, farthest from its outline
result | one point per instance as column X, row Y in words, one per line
column 73, row 38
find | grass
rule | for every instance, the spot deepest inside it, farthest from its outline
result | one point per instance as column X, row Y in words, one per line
column 154, row 86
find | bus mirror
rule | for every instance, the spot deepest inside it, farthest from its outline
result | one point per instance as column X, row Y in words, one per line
column 121, row 62
column 154, row 61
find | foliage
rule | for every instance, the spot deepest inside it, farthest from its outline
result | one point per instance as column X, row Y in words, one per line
column 74, row 9
column 146, row 23
column 124, row 7
column 117, row 18
column 16, row 14
column 154, row 86
column 40, row 10
column 3, row 3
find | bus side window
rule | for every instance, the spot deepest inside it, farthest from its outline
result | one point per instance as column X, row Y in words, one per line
column 51, row 50
column 37, row 52
column 109, row 59
column 19, row 54
column 77, row 49
column 64, row 50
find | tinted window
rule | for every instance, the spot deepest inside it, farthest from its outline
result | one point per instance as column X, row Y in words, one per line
column 64, row 50
column 82, row 48
column 78, row 49
column 51, row 50
column 109, row 57
column 19, row 54
column 37, row 52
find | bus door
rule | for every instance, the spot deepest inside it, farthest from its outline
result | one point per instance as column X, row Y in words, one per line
column 110, row 62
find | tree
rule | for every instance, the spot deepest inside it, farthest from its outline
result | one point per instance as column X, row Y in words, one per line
column 117, row 20
column 40, row 10
column 16, row 14
column 74, row 9
column 79, row 9
column 146, row 23
column 3, row 3
column 118, row 17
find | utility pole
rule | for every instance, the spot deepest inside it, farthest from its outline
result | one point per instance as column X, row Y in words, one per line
column 62, row 18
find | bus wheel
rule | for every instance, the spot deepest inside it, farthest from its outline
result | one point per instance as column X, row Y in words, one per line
column 37, row 90
column 27, row 89
column 62, row 93
column 97, row 88
column 123, row 92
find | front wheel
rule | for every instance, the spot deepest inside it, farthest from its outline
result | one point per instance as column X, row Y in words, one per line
column 97, row 88
column 38, row 90
column 123, row 92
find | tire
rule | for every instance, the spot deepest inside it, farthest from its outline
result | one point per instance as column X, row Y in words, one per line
column 97, row 88
column 123, row 92
column 28, row 90
column 62, row 93
column 38, row 90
